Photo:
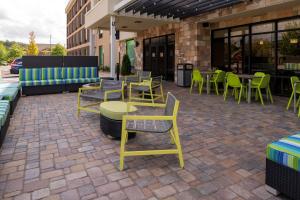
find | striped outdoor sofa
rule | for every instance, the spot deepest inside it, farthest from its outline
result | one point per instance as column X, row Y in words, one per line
column 46, row 80
column 283, row 166
column 10, row 92
column 4, row 119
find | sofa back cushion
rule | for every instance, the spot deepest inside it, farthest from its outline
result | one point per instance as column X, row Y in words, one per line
column 30, row 74
column 79, row 72
column 51, row 73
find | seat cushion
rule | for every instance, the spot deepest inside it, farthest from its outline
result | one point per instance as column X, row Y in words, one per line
column 155, row 126
column 9, row 93
column 82, row 80
column 51, row 73
column 115, row 109
column 30, row 74
column 79, row 72
column 9, row 85
column 4, row 111
column 43, row 82
column 286, row 152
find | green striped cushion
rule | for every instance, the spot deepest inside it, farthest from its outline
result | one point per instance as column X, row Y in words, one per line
column 70, row 72
column 51, row 73
column 286, row 152
column 88, row 72
column 26, row 74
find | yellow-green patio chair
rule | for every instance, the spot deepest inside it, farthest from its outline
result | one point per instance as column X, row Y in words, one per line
column 217, row 78
column 161, row 124
column 233, row 81
column 257, row 78
column 107, row 90
column 263, row 84
column 296, row 90
column 147, row 90
column 197, row 80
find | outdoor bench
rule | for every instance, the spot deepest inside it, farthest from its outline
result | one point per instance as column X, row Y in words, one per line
column 283, row 167
column 10, row 92
column 4, row 119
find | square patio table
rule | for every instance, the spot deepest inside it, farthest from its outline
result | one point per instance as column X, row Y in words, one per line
column 208, row 76
column 249, row 77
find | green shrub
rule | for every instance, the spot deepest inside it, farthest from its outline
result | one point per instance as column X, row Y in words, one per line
column 126, row 66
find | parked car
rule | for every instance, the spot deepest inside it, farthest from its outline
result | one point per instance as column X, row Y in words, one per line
column 15, row 66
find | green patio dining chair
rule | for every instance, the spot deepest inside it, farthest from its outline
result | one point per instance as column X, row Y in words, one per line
column 297, row 90
column 217, row 78
column 263, row 84
column 198, row 80
column 257, row 78
column 233, row 81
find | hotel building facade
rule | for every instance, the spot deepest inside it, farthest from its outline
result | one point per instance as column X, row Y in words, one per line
column 243, row 36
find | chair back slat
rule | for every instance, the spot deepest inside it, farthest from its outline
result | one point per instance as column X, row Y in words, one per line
column 111, row 84
column 170, row 105
column 233, row 80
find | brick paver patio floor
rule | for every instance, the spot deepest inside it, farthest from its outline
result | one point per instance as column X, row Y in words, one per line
column 50, row 153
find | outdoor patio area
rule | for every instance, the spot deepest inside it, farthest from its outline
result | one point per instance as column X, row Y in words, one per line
column 50, row 153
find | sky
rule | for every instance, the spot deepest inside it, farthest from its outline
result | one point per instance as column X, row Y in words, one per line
column 45, row 17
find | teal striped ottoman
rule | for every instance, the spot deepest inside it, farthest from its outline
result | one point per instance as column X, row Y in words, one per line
column 283, row 166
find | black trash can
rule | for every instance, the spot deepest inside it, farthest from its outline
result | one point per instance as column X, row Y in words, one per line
column 184, row 74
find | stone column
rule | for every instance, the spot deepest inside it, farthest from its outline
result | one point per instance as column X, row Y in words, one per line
column 112, row 46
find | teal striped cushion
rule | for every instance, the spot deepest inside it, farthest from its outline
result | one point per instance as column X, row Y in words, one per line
column 4, row 111
column 51, row 73
column 88, row 72
column 43, row 82
column 9, row 93
column 27, row 74
column 286, row 152
column 70, row 72
column 82, row 80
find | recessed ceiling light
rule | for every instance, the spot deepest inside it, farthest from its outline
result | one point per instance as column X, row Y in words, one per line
column 124, row 27
column 137, row 22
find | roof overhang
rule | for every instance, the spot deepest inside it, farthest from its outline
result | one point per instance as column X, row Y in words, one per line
column 99, row 17
column 174, row 9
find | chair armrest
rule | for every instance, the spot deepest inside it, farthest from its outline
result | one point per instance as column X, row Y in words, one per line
column 106, row 93
column 159, row 105
column 147, row 117
column 89, row 88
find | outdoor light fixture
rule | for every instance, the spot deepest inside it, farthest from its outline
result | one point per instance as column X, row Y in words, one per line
column 261, row 42
column 137, row 22
column 294, row 41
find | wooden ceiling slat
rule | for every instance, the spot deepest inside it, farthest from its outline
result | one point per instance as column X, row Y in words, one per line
column 177, row 8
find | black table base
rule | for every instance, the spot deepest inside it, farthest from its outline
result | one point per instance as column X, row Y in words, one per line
column 113, row 128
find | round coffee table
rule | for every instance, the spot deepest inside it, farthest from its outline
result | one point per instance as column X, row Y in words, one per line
column 111, row 114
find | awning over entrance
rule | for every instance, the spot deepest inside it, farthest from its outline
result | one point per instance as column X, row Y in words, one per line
column 175, row 8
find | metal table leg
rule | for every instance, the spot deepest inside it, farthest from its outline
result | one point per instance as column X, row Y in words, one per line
column 249, row 90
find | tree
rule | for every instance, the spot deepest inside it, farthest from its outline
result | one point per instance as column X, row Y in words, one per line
column 58, row 50
column 3, row 53
column 15, row 51
column 126, row 65
column 32, row 49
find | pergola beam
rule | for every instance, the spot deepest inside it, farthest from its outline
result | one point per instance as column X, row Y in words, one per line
column 177, row 8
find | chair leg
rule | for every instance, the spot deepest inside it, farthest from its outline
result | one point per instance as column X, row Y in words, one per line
column 299, row 113
column 216, row 88
column 151, row 94
column 240, row 95
column 129, row 93
column 172, row 137
column 200, row 87
column 225, row 93
column 290, row 100
column 191, row 88
column 177, row 142
column 162, row 93
column 78, row 104
column 260, row 96
column 123, row 142
column 270, row 95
